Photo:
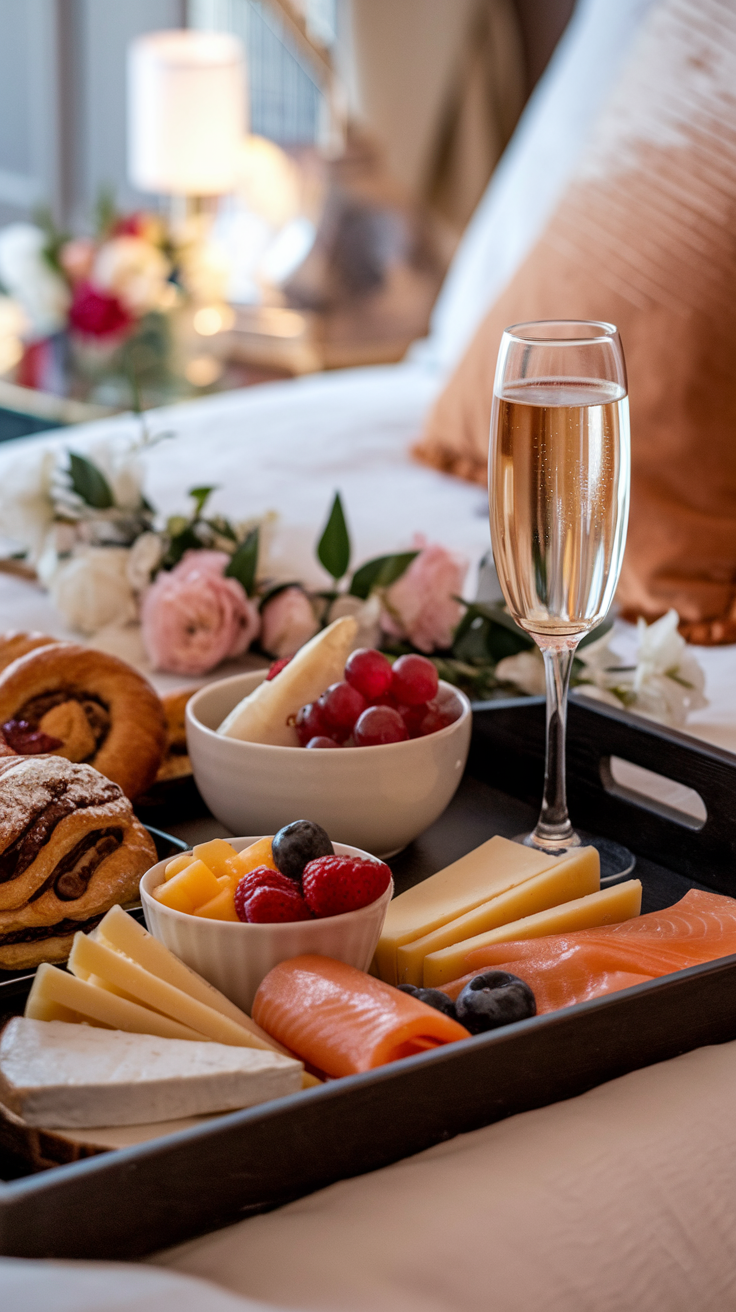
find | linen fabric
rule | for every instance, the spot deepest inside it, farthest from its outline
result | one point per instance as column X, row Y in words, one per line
column 644, row 239
column 622, row 1198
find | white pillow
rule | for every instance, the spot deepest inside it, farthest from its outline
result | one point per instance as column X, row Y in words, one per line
column 533, row 172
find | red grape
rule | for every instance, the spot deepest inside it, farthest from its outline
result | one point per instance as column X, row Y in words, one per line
column 320, row 741
column 339, row 708
column 369, row 672
column 309, row 723
column 379, row 724
column 277, row 667
column 414, row 680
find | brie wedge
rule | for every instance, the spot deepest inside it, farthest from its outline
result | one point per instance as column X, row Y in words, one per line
column 70, row 1076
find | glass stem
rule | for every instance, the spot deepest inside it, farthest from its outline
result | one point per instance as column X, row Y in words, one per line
column 554, row 830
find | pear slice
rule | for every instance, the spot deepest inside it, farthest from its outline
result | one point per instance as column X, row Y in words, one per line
column 262, row 716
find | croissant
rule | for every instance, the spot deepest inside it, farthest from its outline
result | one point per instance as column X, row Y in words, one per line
column 86, row 706
column 70, row 848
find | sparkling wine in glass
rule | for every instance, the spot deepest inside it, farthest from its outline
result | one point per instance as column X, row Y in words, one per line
column 559, row 504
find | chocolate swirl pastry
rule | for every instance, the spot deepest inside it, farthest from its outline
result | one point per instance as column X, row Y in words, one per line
column 70, row 847
column 86, row 706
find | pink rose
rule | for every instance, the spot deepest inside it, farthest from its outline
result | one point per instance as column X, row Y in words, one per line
column 192, row 617
column 420, row 606
column 287, row 622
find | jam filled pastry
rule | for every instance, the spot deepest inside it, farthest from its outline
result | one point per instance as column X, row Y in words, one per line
column 70, row 848
column 86, row 706
column 175, row 764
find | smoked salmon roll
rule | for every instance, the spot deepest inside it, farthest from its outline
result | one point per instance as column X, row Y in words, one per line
column 341, row 1021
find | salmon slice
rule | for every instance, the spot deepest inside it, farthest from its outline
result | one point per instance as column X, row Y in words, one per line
column 342, row 1021
column 563, row 969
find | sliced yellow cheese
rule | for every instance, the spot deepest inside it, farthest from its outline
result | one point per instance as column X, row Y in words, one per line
column 263, row 716
column 482, row 874
column 54, row 986
column 120, row 931
column 608, row 907
column 572, row 877
column 94, row 957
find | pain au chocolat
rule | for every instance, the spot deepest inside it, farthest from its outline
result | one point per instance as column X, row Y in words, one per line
column 70, row 848
column 86, row 706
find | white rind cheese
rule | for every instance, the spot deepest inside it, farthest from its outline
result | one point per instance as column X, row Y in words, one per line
column 73, row 1076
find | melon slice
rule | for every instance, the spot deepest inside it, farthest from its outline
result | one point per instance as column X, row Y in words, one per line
column 262, row 716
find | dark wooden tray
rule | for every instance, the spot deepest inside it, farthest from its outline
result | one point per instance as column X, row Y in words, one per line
column 135, row 1200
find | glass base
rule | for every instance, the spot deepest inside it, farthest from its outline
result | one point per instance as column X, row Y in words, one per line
column 617, row 862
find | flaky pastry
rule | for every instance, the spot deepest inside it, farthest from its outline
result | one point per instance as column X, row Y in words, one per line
column 70, row 848
column 98, row 709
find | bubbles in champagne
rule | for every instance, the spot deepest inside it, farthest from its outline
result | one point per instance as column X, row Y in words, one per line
column 559, row 476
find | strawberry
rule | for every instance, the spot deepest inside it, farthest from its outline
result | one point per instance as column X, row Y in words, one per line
column 334, row 884
column 270, row 906
column 261, row 877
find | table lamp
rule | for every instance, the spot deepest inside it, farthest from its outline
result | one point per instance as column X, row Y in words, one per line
column 186, row 112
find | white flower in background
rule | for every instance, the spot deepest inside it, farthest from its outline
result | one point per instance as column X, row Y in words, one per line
column 134, row 271
column 91, row 589
column 26, row 506
column 526, row 670
column 29, row 278
column 123, row 470
column 666, row 684
column 143, row 558
column 367, row 613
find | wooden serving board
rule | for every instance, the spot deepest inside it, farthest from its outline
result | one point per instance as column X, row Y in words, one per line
column 44, row 1148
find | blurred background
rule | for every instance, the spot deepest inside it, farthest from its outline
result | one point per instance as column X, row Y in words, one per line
column 201, row 194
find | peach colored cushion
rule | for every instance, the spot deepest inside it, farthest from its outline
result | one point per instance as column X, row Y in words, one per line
column 646, row 238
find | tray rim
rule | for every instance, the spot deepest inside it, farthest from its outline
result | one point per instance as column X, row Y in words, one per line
column 42, row 1181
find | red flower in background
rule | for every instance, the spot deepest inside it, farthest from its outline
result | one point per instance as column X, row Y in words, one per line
column 96, row 313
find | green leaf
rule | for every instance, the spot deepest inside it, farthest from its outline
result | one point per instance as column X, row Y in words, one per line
column 488, row 633
column 380, row 573
column 89, row 483
column 244, row 562
column 186, row 540
column 333, row 549
column 200, row 496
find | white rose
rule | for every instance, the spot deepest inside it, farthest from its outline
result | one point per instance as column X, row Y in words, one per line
column 26, row 506
column 143, row 558
column 367, row 613
column 91, row 589
column 29, row 278
column 133, row 270
column 526, row 670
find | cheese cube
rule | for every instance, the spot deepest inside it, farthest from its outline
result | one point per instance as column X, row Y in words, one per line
column 608, row 907
column 71, row 1076
column 221, row 907
column 177, row 864
column 572, row 877
column 258, row 854
column 191, row 888
column 490, row 869
column 218, row 855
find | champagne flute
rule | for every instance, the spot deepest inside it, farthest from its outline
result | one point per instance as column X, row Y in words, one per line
column 559, row 502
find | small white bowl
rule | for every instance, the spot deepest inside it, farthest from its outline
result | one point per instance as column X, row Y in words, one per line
column 376, row 798
column 235, row 957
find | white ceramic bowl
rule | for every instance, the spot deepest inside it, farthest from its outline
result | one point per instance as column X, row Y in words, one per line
column 376, row 798
column 235, row 957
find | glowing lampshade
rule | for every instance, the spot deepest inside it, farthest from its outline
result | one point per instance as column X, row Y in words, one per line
column 186, row 112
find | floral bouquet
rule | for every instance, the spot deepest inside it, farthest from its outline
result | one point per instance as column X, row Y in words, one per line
column 110, row 294
column 200, row 588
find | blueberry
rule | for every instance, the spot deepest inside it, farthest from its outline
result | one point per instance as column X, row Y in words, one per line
column 297, row 844
column 433, row 998
column 492, row 999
